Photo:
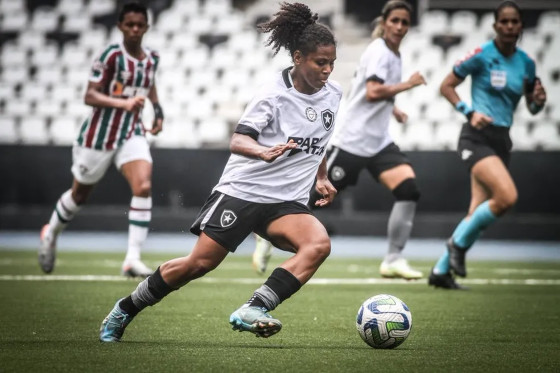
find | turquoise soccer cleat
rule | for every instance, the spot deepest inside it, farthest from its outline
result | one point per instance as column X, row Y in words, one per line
column 113, row 326
column 255, row 320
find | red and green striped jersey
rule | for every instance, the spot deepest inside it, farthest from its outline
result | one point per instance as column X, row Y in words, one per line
column 122, row 76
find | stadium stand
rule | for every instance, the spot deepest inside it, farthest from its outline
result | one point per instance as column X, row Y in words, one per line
column 212, row 61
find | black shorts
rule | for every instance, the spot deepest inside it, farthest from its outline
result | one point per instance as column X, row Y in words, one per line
column 344, row 167
column 229, row 220
column 475, row 144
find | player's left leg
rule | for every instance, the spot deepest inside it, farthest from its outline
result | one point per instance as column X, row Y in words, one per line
column 206, row 255
column 490, row 177
column 401, row 180
column 138, row 173
column 305, row 235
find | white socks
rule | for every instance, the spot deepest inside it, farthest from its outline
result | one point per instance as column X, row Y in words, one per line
column 139, row 218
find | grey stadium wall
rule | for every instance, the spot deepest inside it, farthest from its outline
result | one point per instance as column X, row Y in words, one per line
column 33, row 178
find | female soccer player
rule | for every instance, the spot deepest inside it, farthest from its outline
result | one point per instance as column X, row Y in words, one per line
column 363, row 141
column 120, row 80
column 277, row 150
column 501, row 73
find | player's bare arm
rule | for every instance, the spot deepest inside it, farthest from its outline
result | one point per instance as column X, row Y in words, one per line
column 376, row 91
column 249, row 147
column 95, row 97
column 400, row 115
column 447, row 89
column 324, row 186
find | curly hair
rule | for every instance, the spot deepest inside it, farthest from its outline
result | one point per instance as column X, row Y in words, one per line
column 295, row 27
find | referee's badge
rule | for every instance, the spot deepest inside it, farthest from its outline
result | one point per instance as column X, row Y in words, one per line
column 228, row 218
column 328, row 119
column 311, row 114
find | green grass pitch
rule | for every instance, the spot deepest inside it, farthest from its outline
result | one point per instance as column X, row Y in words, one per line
column 509, row 321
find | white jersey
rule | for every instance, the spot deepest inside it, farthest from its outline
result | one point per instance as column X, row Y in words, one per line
column 365, row 130
column 277, row 114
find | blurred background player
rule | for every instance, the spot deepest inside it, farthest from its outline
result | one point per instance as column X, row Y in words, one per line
column 363, row 140
column 120, row 80
column 278, row 149
column 501, row 73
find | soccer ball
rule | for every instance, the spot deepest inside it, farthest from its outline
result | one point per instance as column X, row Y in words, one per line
column 384, row 321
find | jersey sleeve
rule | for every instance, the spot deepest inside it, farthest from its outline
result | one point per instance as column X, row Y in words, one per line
column 468, row 64
column 377, row 68
column 104, row 66
column 258, row 114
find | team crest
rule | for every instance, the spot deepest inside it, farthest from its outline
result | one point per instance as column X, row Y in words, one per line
column 311, row 114
column 228, row 218
column 328, row 119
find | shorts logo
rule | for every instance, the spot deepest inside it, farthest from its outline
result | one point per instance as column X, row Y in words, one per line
column 311, row 114
column 337, row 173
column 466, row 154
column 228, row 218
column 328, row 119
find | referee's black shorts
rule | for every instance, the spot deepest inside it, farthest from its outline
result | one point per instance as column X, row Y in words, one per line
column 475, row 144
column 229, row 220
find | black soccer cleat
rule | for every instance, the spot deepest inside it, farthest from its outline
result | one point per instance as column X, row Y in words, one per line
column 456, row 258
column 445, row 281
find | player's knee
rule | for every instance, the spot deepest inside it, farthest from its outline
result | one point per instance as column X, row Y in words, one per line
column 506, row 201
column 321, row 248
column 407, row 191
column 143, row 189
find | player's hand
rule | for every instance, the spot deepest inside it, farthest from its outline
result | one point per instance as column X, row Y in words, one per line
column 416, row 79
column 479, row 120
column 400, row 116
column 539, row 94
column 134, row 104
column 276, row 151
column 157, row 126
column 325, row 188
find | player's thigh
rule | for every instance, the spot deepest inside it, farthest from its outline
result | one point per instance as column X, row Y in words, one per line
column 393, row 177
column 297, row 231
column 493, row 174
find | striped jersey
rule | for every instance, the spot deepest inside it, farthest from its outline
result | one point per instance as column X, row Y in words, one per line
column 365, row 128
column 277, row 114
column 123, row 76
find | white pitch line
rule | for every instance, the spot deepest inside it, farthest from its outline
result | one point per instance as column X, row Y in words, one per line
column 257, row 281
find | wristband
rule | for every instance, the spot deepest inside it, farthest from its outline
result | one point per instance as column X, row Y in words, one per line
column 464, row 108
column 158, row 111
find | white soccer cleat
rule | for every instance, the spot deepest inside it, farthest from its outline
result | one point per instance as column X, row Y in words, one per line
column 399, row 268
column 47, row 249
column 262, row 254
column 136, row 268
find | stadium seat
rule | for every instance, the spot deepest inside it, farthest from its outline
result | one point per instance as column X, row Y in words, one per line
column 169, row 21
column 31, row 39
column 546, row 135
column 214, row 131
column 462, row 22
column 418, row 136
column 47, row 55
column 64, row 130
column 8, row 130
column 446, row 135
column 17, row 108
column 64, row 92
column 34, row 130
column 49, row 74
column 549, row 23
column 48, row 108
column 7, row 6
column 101, row 7
column 74, row 55
column 33, row 91
column 178, row 133
column 434, row 22
column 14, row 21
column 69, row 8
column 13, row 55
column 78, row 22
column 520, row 137
column 44, row 19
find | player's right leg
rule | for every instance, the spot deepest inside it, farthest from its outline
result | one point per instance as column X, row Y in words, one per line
column 298, row 232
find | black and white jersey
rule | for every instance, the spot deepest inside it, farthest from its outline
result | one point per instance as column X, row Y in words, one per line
column 365, row 129
column 277, row 114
